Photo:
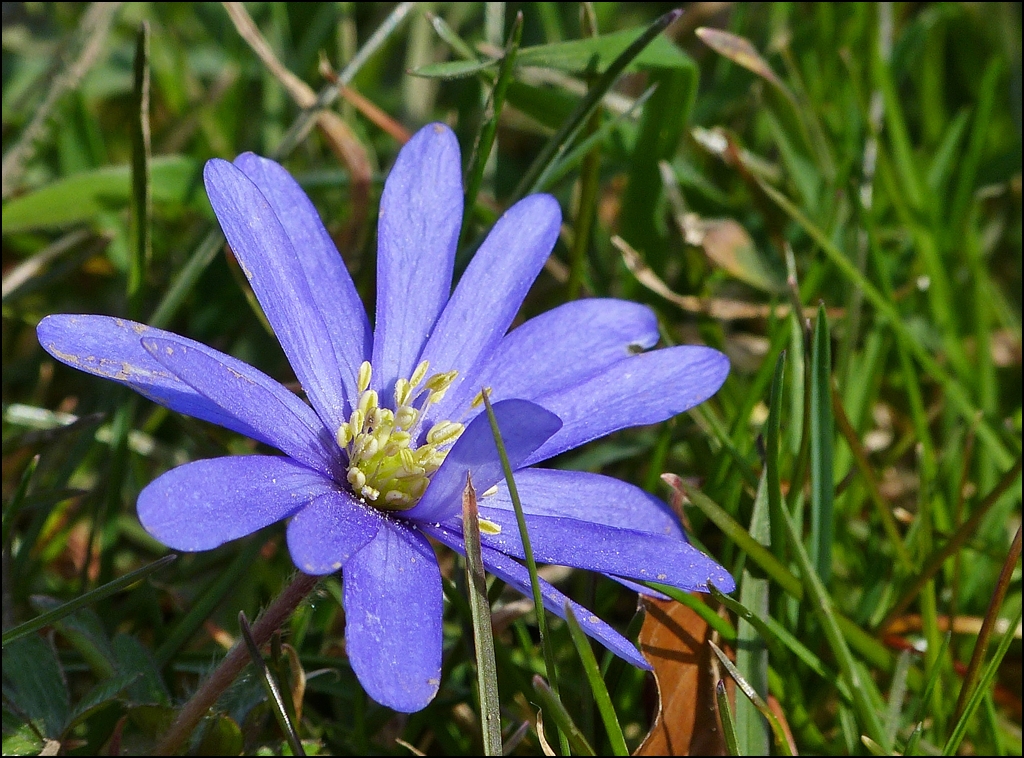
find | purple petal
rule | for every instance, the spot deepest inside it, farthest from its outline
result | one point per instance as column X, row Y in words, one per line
column 329, row 282
column 393, row 609
column 524, row 427
column 418, row 229
column 329, row 531
column 112, row 348
column 587, row 497
column 518, row 576
column 492, row 289
column 609, row 549
column 204, row 504
column 644, row 389
column 270, row 263
column 561, row 348
column 272, row 411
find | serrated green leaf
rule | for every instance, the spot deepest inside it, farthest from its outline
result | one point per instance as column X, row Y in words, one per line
column 104, row 692
column 78, row 198
column 34, row 683
column 132, row 657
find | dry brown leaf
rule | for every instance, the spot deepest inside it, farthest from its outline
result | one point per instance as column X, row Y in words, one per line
column 673, row 638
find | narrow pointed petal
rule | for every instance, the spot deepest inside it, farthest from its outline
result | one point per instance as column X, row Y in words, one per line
column 524, row 427
column 393, row 609
column 493, row 287
column 329, row 531
column 517, row 575
column 264, row 405
column 420, row 217
column 644, row 389
column 112, row 348
column 329, row 282
column 559, row 348
column 204, row 504
column 609, row 549
column 587, row 497
column 271, row 264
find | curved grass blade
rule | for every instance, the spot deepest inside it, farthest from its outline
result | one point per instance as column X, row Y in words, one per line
column 270, row 686
column 553, row 707
column 108, row 589
column 559, row 143
column 597, row 685
column 781, row 743
column 483, row 635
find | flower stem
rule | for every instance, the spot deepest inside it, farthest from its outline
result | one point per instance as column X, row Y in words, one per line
column 236, row 660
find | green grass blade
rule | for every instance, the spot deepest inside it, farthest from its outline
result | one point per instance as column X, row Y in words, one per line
column 270, row 686
column 982, row 690
column 751, row 652
column 597, row 685
column 142, row 180
column 483, row 635
column 93, row 596
column 781, row 743
column 822, row 605
column 531, row 564
column 822, row 487
column 728, row 724
column 773, row 480
column 559, row 143
column 552, row 706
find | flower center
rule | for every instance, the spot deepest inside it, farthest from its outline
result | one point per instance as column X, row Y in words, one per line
column 385, row 467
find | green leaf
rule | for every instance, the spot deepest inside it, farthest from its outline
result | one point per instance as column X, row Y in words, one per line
column 595, row 54
column 81, row 197
column 222, row 737
column 34, row 683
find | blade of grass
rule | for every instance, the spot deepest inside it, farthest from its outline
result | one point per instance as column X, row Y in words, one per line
column 110, row 588
column 597, row 685
column 773, row 481
column 725, row 713
column 955, row 392
column 988, row 625
column 982, row 690
column 489, row 129
column 142, row 190
column 822, row 485
column 483, row 635
column 552, row 706
column 779, row 734
column 751, row 652
column 531, row 563
column 562, row 139
column 822, row 606
column 270, row 686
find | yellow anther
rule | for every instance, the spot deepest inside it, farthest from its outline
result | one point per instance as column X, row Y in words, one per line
column 488, row 527
column 369, row 492
column 365, row 373
column 394, row 497
column 405, row 417
column 441, row 382
column 490, row 491
column 419, row 373
column 344, row 436
column 368, row 403
column 443, row 432
column 403, row 391
column 479, row 399
column 355, row 422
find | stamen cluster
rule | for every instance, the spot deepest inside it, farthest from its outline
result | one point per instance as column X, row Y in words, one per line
column 385, row 467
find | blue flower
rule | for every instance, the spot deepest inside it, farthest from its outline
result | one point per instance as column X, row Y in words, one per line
column 379, row 461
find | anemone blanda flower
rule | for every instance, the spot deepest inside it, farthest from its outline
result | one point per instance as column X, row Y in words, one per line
column 380, row 459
